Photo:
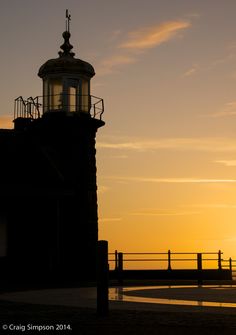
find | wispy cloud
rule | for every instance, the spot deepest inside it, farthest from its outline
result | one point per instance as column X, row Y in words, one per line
column 139, row 41
column 172, row 180
column 184, row 144
column 190, row 72
column 231, row 239
column 150, row 37
column 110, row 219
column 214, row 206
column 229, row 162
column 229, row 109
column 229, row 57
column 193, row 15
column 115, row 34
column 120, row 156
column 163, row 212
column 225, row 59
column 109, row 65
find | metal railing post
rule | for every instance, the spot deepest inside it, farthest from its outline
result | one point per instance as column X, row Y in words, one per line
column 116, row 260
column 199, row 268
column 219, row 260
column 230, row 264
column 120, row 268
column 102, row 278
column 169, row 260
column 199, row 261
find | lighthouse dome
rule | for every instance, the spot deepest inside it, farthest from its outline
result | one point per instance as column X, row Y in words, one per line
column 66, row 63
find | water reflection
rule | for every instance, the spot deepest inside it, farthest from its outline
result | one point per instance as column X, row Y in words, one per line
column 116, row 293
column 119, row 294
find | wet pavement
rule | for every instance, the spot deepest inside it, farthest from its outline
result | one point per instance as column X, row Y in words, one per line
column 213, row 298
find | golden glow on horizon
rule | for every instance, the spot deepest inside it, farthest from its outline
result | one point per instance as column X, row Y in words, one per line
column 6, row 122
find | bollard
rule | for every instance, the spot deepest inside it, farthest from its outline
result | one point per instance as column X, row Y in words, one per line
column 102, row 278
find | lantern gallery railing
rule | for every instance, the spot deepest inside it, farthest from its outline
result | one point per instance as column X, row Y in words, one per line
column 26, row 108
column 34, row 108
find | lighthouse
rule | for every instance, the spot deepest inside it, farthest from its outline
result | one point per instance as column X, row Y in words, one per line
column 48, row 175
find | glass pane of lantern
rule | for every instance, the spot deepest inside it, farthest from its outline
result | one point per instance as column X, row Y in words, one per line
column 85, row 103
column 72, row 99
column 45, row 96
column 55, row 94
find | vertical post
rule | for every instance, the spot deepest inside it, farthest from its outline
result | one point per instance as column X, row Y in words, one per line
column 169, row 260
column 199, row 268
column 199, row 261
column 102, row 278
column 116, row 260
column 219, row 260
column 120, row 268
column 230, row 264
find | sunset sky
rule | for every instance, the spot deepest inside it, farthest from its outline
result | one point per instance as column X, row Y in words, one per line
column 166, row 69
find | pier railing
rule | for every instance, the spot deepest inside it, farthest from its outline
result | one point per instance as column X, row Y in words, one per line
column 195, row 266
column 168, row 259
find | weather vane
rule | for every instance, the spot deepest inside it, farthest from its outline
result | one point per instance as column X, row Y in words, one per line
column 68, row 19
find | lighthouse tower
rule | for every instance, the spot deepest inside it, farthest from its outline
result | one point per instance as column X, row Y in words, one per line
column 48, row 172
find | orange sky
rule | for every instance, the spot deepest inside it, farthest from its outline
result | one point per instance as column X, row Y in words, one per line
column 167, row 72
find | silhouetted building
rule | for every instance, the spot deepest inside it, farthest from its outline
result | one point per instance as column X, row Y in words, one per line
column 48, row 194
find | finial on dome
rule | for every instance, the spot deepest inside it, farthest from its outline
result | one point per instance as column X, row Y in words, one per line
column 66, row 46
column 68, row 19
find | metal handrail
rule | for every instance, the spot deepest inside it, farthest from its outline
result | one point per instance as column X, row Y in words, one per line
column 34, row 108
column 166, row 253
column 170, row 258
column 33, row 102
column 19, row 103
column 100, row 100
